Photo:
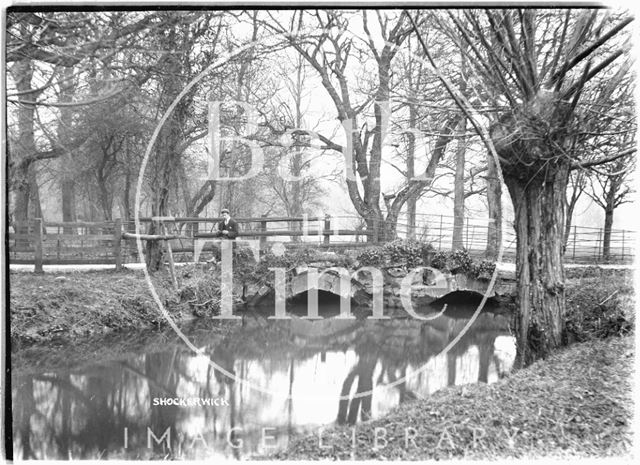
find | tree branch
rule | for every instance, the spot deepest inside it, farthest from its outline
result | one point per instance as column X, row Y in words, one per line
column 569, row 64
column 602, row 161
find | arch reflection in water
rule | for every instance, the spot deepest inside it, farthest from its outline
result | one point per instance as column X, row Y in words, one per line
column 107, row 409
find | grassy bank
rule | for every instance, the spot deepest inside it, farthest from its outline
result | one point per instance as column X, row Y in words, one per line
column 71, row 307
column 576, row 403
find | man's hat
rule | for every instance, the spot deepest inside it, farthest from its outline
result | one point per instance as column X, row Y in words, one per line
column 224, row 210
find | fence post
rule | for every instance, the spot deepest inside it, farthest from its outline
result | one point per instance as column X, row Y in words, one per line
column 327, row 229
column 623, row 245
column 263, row 228
column 575, row 234
column 37, row 245
column 117, row 243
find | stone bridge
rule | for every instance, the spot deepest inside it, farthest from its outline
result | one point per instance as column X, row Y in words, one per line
column 392, row 283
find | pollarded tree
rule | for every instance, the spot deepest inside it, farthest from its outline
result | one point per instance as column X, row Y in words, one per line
column 541, row 69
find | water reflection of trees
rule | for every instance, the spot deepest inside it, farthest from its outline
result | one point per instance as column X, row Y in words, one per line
column 84, row 414
column 349, row 408
column 395, row 348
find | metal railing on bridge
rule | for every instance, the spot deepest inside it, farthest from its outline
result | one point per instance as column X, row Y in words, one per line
column 583, row 244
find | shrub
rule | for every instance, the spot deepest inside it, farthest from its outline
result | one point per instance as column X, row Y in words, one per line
column 484, row 269
column 459, row 262
column 371, row 256
column 410, row 252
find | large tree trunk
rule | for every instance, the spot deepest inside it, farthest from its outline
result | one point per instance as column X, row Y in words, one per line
column 67, row 183
column 295, row 207
column 411, row 172
column 494, row 206
column 105, row 199
column 21, row 206
column 536, row 172
column 608, row 225
column 539, row 216
column 166, row 153
column 126, row 202
column 411, row 218
column 68, row 188
column 154, row 253
column 379, row 229
column 458, row 190
column 168, row 159
column 154, row 249
column 25, row 147
column 34, row 193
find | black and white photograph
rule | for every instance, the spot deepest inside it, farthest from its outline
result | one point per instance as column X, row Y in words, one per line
column 319, row 231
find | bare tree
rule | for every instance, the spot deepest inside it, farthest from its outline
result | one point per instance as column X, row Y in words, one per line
column 329, row 50
column 578, row 181
column 536, row 66
column 609, row 188
column 39, row 44
column 494, row 209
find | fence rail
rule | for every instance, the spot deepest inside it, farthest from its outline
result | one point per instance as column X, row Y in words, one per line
column 39, row 243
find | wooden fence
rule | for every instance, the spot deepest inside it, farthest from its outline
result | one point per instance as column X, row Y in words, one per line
column 47, row 243
column 43, row 243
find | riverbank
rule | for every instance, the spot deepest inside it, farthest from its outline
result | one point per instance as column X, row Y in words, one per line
column 73, row 307
column 577, row 403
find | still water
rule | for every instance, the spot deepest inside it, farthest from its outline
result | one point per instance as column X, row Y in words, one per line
column 112, row 408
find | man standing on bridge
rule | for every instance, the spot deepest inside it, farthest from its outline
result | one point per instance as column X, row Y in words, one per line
column 228, row 227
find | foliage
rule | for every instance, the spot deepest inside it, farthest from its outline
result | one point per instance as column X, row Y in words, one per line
column 413, row 254
column 484, row 269
column 289, row 259
column 249, row 270
column 459, row 262
column 409, row 252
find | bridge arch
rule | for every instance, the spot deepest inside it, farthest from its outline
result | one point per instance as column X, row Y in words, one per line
column 338, row 281
column 370, row 287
